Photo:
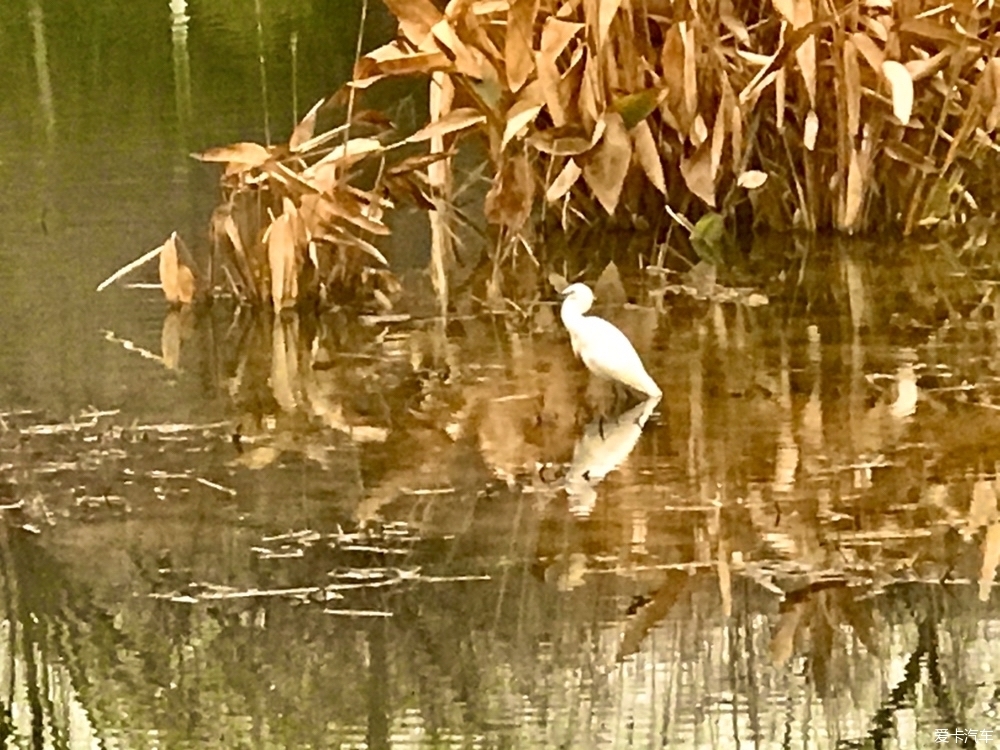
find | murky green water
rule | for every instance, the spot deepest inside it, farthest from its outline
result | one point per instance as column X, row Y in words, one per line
column 226, row 530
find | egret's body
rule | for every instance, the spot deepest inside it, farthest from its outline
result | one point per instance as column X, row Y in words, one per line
column 604, row 349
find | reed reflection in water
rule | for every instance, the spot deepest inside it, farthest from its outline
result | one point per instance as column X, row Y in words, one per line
column 384, row 542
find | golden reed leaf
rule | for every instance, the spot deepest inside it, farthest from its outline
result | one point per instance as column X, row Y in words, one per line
column 185, row 284
column 168, row 270
column 697, row 174
column 456, row 120
column 752, row 179
column 869, row 50
column 607, row 165
column 519, row 58
column 280, row 255
column 854, row 193
column 902, row 89
column 852, row 86
column 247, row 155
column 556, row 35
column 564, row 181
column 646, row 153
column 416, row 18
column 305, row 129
column 606, row 11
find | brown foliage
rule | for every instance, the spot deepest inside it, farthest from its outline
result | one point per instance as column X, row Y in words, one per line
column 294, row 223
column 845, row 115
column 805, row 114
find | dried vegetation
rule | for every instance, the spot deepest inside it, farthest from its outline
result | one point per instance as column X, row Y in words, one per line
column 814, row 114
column 294, row 223
column 808, row 114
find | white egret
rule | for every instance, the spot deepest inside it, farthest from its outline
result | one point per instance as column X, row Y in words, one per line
column 604, row 349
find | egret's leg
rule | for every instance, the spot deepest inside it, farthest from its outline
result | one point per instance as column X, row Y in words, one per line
column 621, row 399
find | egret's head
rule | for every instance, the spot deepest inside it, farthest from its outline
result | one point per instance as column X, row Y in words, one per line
column 578, row 296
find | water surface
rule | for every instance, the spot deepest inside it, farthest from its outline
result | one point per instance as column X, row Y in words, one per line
column 225, row 529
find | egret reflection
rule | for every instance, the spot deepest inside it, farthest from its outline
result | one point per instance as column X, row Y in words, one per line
column 602, row 448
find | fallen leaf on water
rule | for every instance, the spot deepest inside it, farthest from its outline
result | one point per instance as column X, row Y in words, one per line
column 368, row 433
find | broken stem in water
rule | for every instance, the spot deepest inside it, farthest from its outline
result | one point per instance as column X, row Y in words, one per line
column 126, row 269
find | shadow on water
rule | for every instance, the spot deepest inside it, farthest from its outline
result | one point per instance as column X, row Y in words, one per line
column 396, row 532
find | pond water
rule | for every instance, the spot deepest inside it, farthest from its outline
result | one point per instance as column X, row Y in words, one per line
column 227, row 530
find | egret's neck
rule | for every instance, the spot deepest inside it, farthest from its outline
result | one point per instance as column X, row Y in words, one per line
column 572, row 313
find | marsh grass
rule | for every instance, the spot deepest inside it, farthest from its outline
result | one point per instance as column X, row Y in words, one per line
column 805, row 114
column 811, row 114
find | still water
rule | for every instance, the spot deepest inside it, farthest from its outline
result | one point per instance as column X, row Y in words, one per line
column 227, row 530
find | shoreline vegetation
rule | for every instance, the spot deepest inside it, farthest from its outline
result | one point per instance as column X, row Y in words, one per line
column 719, row 118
